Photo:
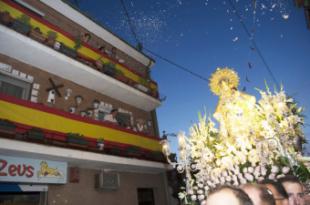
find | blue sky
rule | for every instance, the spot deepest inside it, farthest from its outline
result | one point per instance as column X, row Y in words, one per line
column 202, row 35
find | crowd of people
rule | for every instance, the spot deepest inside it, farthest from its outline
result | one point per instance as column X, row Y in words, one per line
column 286, row 191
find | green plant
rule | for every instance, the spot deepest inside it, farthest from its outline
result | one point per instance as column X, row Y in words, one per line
column 76, row 138
column 36, row 134
column 119, row 72
column 144, row 82
column 24, row 19
column 77, row 43
column 109, row 69
column 51, row 35
column 6, row 124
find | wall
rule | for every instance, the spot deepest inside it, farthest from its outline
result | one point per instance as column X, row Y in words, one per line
column 42, row 78
column 75, row 30
column 85, row 193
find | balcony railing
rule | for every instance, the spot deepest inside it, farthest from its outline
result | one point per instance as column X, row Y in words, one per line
column 23, row 21
column 27, row 121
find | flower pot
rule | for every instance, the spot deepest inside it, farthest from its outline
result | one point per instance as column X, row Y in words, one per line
column 110, row 71
column 7, row 127
column 98, row 65
column 100, row 146
column 21, row 27
column 121, row 78
column 37, row 35
column 6, row 19
column 68, row 51
column 35, row 134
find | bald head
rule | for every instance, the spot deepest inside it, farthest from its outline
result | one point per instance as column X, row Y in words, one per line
column 228, row 195
column 259, row 194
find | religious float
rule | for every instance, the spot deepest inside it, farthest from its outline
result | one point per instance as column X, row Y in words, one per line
column 254, row 140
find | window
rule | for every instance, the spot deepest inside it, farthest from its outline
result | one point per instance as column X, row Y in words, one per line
column 14, row 87
column 22, row 198
column 145, row 196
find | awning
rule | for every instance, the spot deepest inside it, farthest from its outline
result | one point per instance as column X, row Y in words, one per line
column 14, row 187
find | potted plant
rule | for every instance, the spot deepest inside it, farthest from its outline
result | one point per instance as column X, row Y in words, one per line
column 133, row 151
column 6, row 19
column 22, row 24
column 68, row 51
column 99, row 64
column 119, row 75
column 7, row 126
column 76, row 139
column 100, row 143
column 36, row 34
column 36, row 134
column 109, row 69
column 51, row 38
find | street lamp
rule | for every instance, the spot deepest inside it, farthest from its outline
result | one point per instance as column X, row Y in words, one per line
column 184, row 163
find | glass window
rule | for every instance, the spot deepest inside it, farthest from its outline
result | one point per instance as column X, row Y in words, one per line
column 14, row 87
column 23, row 198
column 146, row 196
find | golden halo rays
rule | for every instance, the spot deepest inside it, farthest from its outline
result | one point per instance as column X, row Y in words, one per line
column 223, row 75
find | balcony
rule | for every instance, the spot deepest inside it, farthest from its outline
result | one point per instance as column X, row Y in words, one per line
column 60, row 56
column 30, row 122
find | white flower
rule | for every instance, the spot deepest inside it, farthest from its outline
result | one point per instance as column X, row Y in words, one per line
column 249, row 177
column 200, row 191
column 250, row 169
column 280, row 176
column 234, row 178
column 209, row 183
column 257, row 169
column 204, row 202
column 285, row 170
column 201, row 197
column 181, row 195
column 193, row 197
column 242, row 181
column 207, row 188
column 228, row 178
column 236, row 170
column 274, row 169
column 272, row 176
column 190, row 192
column 263, row 171
column 222, row 180
column 260, row 179
column 245, row 170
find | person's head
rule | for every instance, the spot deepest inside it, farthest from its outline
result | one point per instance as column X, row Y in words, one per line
column 86, row 37
column 228, row 195
column 259, row 194
column 114, row 112
column 294, row 189
column 278, row 191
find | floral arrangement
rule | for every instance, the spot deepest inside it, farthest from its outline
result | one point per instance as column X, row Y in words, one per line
column 254, row 140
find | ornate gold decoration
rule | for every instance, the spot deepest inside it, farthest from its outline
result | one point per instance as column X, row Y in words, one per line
column 221, row 78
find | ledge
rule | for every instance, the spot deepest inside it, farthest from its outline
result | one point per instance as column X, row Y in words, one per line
column 76, row 157
column 33, row 53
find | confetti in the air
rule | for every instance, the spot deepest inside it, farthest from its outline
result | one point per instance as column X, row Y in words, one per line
column 235, row 39
column 285, row 16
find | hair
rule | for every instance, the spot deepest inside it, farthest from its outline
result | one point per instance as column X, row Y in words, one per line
column 265, row 194
column 277, row 185
column 114, row 110
column 242, row 197
column 289, row 178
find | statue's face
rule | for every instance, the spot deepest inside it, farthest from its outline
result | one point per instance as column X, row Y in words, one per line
column 225, row 89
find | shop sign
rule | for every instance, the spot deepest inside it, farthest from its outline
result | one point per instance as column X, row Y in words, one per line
column 16, row 169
